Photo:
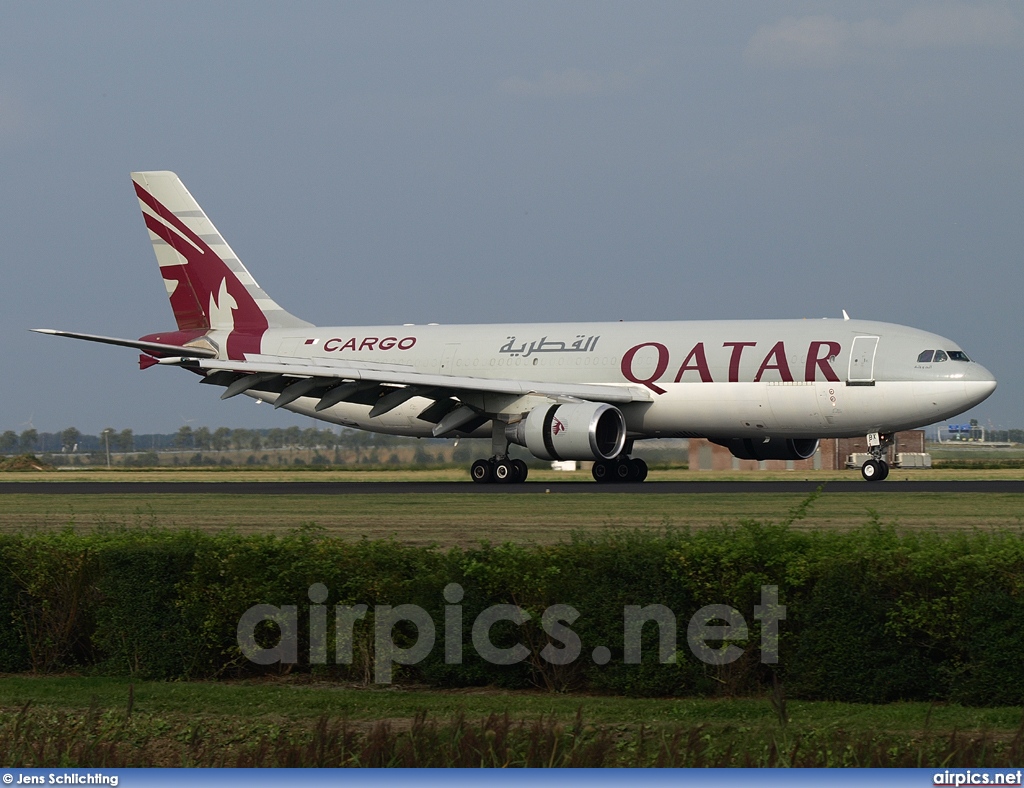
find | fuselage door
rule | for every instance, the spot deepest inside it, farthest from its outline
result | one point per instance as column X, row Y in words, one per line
column 862, row 360
column 448, row 359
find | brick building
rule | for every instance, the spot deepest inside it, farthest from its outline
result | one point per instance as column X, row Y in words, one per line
column 831, row 454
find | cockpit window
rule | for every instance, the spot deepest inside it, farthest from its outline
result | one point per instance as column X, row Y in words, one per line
column 940, row 355
column 926, row 357
column 958, row 355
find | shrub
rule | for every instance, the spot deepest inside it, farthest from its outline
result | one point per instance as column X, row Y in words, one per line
column 871, row 615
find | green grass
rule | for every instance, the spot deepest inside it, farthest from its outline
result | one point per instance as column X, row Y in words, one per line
column 305, row 698
column 78, row 721
column 466, row 519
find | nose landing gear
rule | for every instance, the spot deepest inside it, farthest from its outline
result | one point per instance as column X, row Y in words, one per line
column 877, row 469
column 874, row 470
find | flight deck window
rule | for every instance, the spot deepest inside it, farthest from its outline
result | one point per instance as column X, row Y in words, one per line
column 940, row 355
column 926, row 357
column 958, row 355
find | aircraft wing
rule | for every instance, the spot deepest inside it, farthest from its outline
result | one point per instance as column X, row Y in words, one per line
column 381, row 386
column 396, row 375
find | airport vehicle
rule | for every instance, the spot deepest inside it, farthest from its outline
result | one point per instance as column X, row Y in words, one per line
column 766, row 389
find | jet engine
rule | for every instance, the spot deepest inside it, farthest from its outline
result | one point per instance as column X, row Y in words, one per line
column 770, row 448
column 579, row 431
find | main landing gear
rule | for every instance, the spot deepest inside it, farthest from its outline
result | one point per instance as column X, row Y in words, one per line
column 501, row 470
column 621, row 469
column 876, row 469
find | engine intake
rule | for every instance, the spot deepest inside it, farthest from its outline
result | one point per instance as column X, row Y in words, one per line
column 580, row 431
column 770, row 448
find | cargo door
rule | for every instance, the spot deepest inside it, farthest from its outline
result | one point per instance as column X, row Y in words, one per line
column 862, row 361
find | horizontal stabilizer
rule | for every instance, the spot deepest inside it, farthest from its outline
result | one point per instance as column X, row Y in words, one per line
column 138, row 344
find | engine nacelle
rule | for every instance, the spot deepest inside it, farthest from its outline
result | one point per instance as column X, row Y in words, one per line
column 579, row 431
column 770, row 448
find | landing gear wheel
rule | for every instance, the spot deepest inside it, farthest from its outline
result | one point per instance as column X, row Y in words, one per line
column 622, row 469
column 504, row 472
column 481, row 472
column 876, row 469
column 521, row 471
column 872, row 470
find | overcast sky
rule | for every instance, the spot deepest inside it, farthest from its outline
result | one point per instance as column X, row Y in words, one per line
column 383, row 162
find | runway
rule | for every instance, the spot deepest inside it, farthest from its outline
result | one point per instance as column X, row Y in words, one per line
column 530, row 488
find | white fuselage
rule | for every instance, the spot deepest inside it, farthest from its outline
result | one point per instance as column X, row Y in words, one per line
column 728, row 379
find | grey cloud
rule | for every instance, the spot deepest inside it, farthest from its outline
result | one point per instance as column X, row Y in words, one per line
column 823, row 41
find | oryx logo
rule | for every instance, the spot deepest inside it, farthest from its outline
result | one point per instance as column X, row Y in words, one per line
column 204, row 291
column 221, row 306
column 557, row 427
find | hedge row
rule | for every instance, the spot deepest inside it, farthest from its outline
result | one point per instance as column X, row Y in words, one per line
column 871, row 615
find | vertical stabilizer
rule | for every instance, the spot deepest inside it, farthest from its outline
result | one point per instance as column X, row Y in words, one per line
column 207, row 284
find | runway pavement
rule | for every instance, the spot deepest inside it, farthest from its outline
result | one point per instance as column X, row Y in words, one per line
column 530, row 488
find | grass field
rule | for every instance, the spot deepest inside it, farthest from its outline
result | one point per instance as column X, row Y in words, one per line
column 302, row 698
column 467, row 519
column 286, row 721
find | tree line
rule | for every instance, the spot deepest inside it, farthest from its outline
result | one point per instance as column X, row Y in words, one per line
column 1004, row 436
column 71, row 440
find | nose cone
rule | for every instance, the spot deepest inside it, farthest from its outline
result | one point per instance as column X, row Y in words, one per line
column 979, row 384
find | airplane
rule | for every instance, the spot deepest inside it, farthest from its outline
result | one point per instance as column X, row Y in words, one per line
column 765, row 389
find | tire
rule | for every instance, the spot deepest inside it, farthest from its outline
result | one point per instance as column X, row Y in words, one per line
column 521, row 471
column 602, row 473
column 872, row 471
column 637, row 470
column 504, row 473
column 623, row 470
column 481, row 472
column 885, row 471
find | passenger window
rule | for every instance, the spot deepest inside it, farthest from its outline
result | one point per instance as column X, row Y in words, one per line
column 958, row 355
column 940, row 355
column 926, row 357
